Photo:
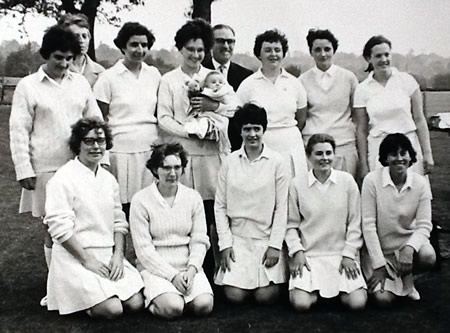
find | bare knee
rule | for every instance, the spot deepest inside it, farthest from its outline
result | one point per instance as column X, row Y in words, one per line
column 235, row 295
column 426, row 256
column 301, row 300
column 108, row 309
column 356, row 300
column 202, row 305
column 267, row 295
column 168, row 306
column 384, row 299
column 134, row 303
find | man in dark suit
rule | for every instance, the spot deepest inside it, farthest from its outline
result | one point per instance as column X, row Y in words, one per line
column 222, row 51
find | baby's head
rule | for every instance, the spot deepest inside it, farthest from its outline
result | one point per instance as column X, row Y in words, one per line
column 214, row 80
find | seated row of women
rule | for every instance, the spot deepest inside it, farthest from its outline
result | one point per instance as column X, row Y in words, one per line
column 258, row 209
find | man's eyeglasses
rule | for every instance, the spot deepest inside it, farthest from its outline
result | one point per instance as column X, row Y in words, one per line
column 225, row 40
column 92, row 141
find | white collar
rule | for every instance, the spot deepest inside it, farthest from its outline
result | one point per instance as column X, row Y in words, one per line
column 216, row 64
column 312, row 179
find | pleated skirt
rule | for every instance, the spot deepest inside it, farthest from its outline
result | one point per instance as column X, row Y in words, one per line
column 72, row 288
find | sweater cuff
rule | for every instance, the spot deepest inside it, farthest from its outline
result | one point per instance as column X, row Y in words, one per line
column 349, row 252
column 225, row 241
column 295, row 248
column 416, row 241
column 379, row 262
column 24, row 171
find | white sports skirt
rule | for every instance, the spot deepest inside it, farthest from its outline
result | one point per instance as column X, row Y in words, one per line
column 72, row 288
column 248, row 272
column 156, row 286
column 325, row 278
column 130, row 172
column 34, row 201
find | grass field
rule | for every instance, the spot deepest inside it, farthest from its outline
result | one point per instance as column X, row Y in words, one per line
column 23, row 276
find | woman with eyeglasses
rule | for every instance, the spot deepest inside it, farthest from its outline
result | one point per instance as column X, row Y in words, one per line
column 84, row 217
column 44, row 106
column 168, row 228
column 193, row 40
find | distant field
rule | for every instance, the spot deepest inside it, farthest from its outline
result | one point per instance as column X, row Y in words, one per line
column 436, row 102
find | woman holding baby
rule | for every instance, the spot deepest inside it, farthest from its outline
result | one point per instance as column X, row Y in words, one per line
column 175, row 106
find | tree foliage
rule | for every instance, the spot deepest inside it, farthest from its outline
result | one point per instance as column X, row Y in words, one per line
column 54, row 8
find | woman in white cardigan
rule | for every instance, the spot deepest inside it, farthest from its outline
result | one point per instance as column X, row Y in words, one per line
column 168, row 228
column 84, row 217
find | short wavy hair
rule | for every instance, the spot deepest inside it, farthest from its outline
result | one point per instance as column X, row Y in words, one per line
column 319, row 138
column 373, row 41
column 392, row 143
column 57, row 38
column 69, row 19
column 250, row 114
column 161, row 151
column 131, row 29
column 82, row 127
column 314, row 34
column 271, row 36
column 195, row 29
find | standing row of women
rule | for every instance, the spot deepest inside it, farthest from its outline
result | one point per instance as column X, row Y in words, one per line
column 128, row 94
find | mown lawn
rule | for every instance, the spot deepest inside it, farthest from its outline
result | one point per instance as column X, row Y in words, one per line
column 23, row 274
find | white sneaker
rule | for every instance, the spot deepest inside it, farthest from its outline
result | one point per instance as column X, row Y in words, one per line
column 414, row 295
column 43, row 301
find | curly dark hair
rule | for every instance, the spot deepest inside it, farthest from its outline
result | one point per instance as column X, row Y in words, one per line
column 82, row 127
column 195, row 29
column 373, row 41
column 314, row 34
column 319, row 138
column 57, row 38
column 130, row 29
column 250, row 114
column 161, row 151
column 392, row 143
column 271, row 36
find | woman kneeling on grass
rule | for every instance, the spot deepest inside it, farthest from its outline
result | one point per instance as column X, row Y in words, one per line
column 396, row 209
column 324, row 232
column 251, row 214
column 85, row 219
column 168, row 227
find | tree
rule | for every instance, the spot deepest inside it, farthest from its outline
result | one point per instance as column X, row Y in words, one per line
column 22, row 62
column 54, row 8
column 202, row 9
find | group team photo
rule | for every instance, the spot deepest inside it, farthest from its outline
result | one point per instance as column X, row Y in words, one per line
column 213, row 187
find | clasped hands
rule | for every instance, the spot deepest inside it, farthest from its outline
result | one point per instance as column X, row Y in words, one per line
column 113, row 271
column 184, row 280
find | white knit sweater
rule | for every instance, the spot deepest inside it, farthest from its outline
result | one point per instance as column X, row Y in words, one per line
column 167, row 239
column 42, row 114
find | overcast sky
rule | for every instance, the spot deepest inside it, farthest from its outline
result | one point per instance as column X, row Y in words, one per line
column 421, row 25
